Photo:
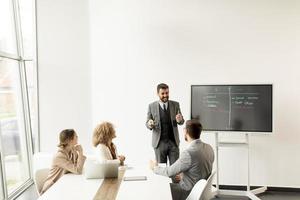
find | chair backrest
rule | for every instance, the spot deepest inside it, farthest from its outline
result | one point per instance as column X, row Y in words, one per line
column 42, row 160
column 207, row 191
column 41, row 166
column 40, row 176
column 202, row 189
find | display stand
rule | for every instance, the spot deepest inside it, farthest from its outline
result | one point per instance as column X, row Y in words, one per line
column 248, row 193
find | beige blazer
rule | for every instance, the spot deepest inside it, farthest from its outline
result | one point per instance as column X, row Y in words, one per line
column 103, row 153
column 65, row 161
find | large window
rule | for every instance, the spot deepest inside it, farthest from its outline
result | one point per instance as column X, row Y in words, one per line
column 7, row 32
column 18, row 95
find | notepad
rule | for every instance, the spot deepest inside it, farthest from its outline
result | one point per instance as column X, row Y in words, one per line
column 135, row 178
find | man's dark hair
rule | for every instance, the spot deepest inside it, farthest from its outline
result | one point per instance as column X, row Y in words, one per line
column 162, row 86
column 193, row 128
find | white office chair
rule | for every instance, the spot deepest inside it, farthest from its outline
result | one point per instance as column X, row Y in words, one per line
column 41, row 166
column 202, row 190
column 40, row 176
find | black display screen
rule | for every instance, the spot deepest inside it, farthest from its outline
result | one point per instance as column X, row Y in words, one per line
column 233, row 107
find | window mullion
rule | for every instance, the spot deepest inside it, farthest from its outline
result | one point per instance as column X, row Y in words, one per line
column 23, row 81
column 9, row 56
column 27, row 119
column 24, row 100
column 18, row 29
column 38, row 147
column 2, row 170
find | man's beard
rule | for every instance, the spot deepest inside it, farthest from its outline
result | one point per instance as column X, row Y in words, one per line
column 165, row 99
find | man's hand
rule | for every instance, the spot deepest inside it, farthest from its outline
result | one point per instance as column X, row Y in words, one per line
column 179, row 118
column 178, row 177
column 151, row 123
column 152, row 164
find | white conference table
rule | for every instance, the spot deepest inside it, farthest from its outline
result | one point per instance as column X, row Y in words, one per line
column 72, row 187
column 77, row 187
column 155, row 187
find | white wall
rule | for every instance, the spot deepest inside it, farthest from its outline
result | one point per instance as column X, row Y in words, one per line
column 136, row 44
column 64, row 70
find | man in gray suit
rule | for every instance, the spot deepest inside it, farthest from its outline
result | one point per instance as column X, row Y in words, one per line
column 162, row 118
column 194, row 163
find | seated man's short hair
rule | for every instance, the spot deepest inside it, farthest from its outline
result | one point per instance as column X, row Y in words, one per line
column 193, row 128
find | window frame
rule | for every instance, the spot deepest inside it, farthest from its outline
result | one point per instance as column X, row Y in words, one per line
column 24, row 101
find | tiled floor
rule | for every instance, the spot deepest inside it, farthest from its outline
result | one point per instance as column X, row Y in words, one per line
column 31, row 194
column 269, row 195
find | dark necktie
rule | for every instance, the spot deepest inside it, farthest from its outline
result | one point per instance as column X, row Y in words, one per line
column 165, row 108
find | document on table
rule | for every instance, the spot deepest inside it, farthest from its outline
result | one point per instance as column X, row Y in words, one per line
column 135, row 178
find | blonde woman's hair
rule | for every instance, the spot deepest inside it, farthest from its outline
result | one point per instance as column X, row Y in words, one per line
column 103, row 133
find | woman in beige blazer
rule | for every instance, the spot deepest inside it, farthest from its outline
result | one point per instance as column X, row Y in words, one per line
column 68, row 159
column 102, row 140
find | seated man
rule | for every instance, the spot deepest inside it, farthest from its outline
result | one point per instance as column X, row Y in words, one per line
column 194, row 163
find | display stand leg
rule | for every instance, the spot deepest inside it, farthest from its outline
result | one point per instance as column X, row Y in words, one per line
column 248, row 193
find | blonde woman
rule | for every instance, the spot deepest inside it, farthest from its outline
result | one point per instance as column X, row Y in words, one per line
column 103, row 135
column 68, row 159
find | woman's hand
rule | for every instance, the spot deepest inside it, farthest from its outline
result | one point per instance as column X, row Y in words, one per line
column 78, row 148
column 122, row 159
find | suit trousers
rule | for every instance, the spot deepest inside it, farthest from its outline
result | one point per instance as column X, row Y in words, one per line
column 166, row 150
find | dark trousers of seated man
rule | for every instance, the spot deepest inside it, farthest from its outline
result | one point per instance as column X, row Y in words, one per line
column 178, row 193
column 167, row 150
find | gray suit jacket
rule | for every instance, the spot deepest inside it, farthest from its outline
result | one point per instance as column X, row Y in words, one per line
column 153, row 113
column 194, row 163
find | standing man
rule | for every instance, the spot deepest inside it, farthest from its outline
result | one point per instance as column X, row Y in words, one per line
column 162, row 118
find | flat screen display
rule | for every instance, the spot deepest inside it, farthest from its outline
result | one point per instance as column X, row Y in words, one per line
column 243, row 108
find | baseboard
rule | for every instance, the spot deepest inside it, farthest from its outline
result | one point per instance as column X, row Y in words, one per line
column 275, row 189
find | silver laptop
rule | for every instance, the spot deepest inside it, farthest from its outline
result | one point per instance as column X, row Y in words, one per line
column 96, row 170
